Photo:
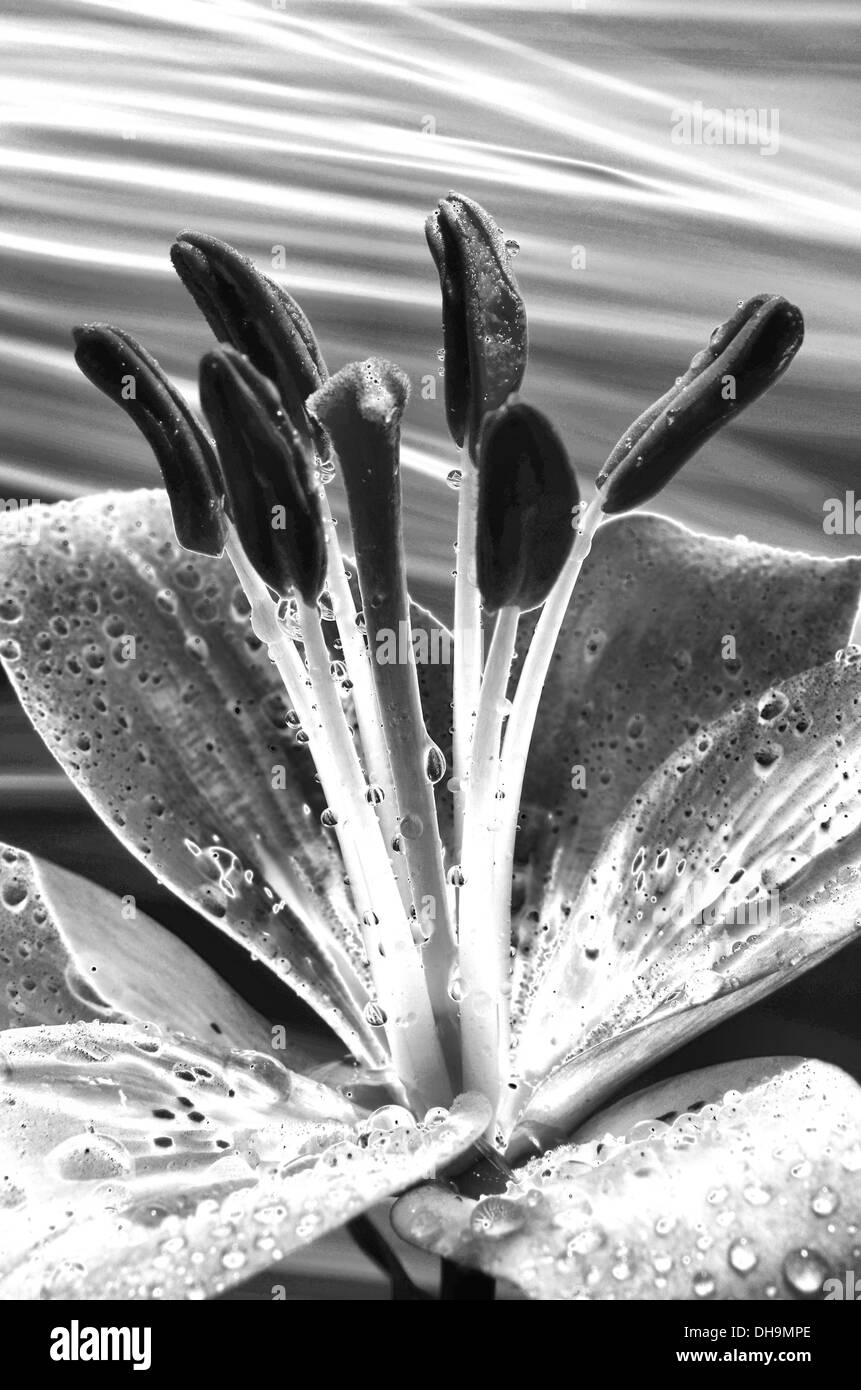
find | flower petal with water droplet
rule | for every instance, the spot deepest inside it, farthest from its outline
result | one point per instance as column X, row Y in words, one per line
column 159, row 702
column 636, row 1218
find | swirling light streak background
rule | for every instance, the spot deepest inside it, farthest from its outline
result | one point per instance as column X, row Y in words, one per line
column 330, row 129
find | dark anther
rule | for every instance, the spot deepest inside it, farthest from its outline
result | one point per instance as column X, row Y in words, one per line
column 268, row 469
column 526, row 500
column 744, row 357
column 246, row 309
column 484, row 319
column 130, row 377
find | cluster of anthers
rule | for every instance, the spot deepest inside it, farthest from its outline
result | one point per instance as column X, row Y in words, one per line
column 435, row 924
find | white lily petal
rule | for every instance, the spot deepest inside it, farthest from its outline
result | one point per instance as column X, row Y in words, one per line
column 142, row 1165
column 667, row 630
column 715, row 886
column 754, row 1196
column 137, row 665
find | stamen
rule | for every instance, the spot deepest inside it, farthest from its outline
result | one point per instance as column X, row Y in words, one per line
column 521, row 722
column 394, row 962
column 361, row 408
column 268, row 471
column 482, row 967
column 527, row 496
column 261, row 320
column 528, row 493
column 744, row 357
column 114, row 362
column 484, row 319
column 253, row 314
column 467, row 653
column 485, row 350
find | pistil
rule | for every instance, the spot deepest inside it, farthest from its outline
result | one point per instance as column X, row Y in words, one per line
column 360, row 409
column 527, row 498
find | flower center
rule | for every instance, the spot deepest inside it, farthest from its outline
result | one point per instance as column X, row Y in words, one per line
column 435, row 919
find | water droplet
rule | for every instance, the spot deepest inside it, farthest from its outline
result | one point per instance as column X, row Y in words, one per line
column 742, row 1256
column 497, row 1217
column 424, row 1225
column 233, row 1259
column 587, row 1241
column 328, row 818
column 411, row 826
column 375, row 1014
column 757, row 1195
column 390, row 1117
column 851, row 1159
column 437, row 1115
column 512, row 246
column 454, row 479
column 375, row 794
column 804, row 1271
column 824, row 1202
column 434, row 767
column 703, row 1284
column 84, row 1157
column 166, row 600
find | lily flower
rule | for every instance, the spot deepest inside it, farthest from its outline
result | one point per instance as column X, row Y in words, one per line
column 508, row 882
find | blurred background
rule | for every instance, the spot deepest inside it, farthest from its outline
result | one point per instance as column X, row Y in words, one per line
column 316, row 137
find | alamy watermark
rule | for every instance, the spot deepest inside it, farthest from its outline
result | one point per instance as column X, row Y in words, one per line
column 77, row 1343
column 24, row 515
column 429, row 647
column 696, row 124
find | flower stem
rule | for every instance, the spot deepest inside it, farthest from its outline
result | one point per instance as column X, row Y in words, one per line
column 357, row 661
column 467, row 645
column 484, row 939
column 395, row 962
column 521, row 723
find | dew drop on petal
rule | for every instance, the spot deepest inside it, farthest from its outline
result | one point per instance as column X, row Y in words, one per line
column 703, row 1284
column 497, row 1217
column 757, row 1195
column 805, row 1271
column 742, row 1256
column 390, row 1117
column 824, row 1202
column 84, row 1157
